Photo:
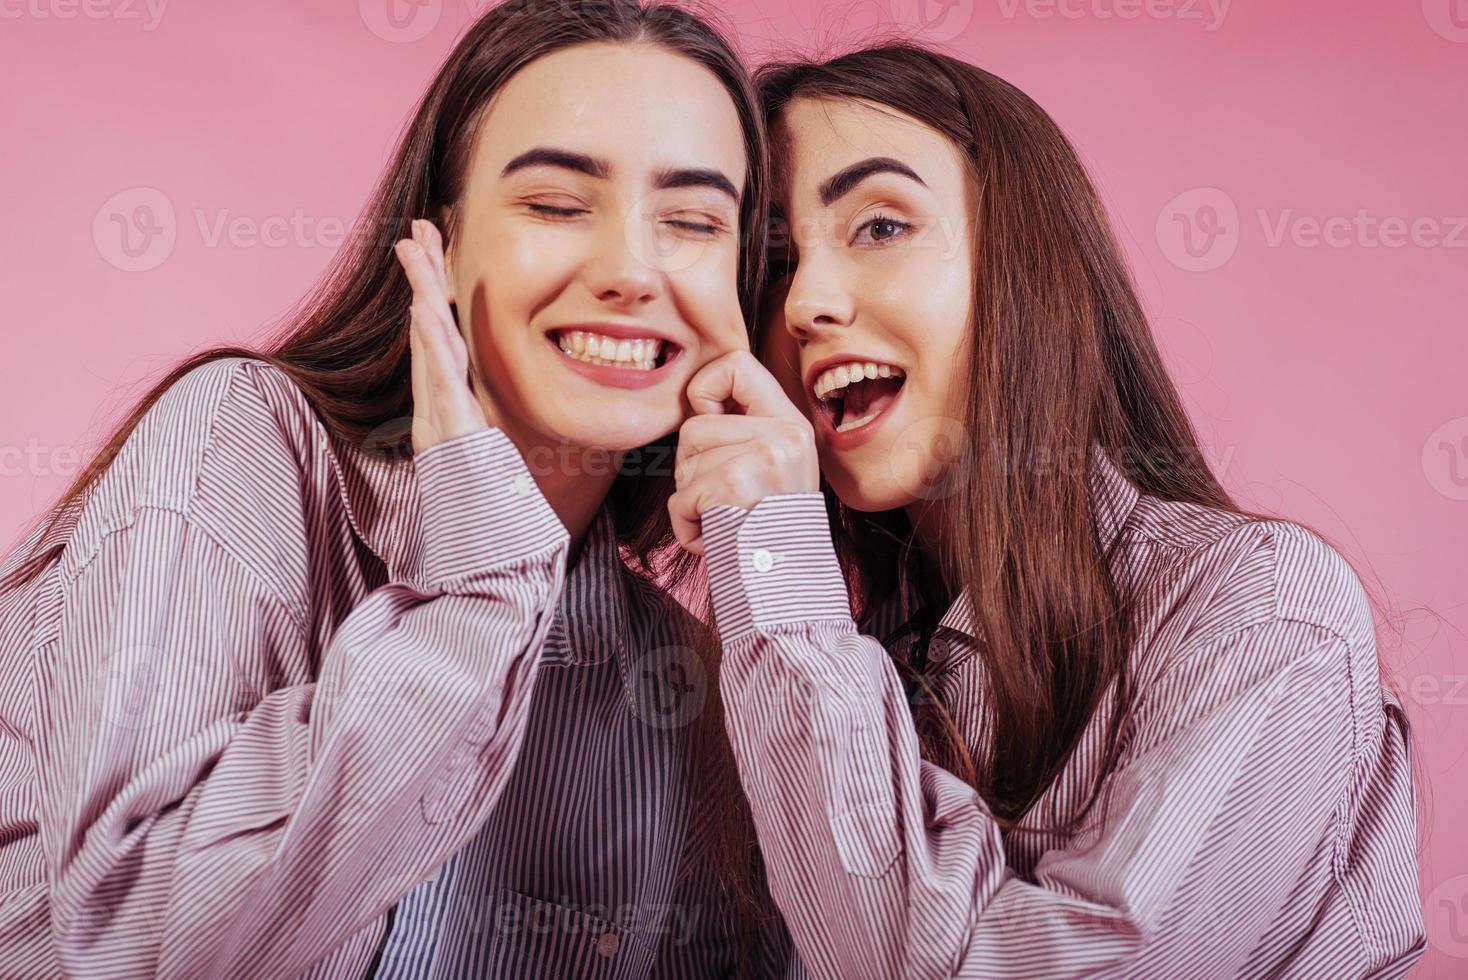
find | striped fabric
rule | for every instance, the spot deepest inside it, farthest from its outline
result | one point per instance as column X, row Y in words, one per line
column 274, row 683
column 586, row 869
column 1261, row 822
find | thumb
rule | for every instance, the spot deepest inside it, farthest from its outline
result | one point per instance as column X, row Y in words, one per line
column 738, row 377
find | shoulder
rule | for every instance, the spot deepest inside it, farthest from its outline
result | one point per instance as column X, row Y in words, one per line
column 1233, row 601
column 1240, row 570
column 229, row 448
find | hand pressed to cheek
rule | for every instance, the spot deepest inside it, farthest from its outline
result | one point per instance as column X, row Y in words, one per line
column 738, row 459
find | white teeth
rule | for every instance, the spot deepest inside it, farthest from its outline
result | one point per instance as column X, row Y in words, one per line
column 641, row 355
column 834, row 379
column 856, row 423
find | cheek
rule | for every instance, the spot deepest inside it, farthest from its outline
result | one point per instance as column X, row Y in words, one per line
column 514, row 272
column 926, row 300
column 707, row 295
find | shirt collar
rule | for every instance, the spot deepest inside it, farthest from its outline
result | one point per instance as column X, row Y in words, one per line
column 381, row 496
column 1112, row 495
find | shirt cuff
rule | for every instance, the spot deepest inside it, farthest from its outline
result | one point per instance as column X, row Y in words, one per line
column 773, row 565
column 481, row 507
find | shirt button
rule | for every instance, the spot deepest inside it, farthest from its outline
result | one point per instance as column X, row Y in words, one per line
column 763, row 560
column 524, row 486
column 608, row 944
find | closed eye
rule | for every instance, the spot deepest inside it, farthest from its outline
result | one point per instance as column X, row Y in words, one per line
column 551, row 211
column 700, row 227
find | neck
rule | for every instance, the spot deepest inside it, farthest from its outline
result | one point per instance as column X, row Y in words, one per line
column 575, row 482
column 573, row 479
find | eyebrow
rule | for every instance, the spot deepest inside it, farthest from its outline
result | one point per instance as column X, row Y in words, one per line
column 667, row 179
column 843, row 182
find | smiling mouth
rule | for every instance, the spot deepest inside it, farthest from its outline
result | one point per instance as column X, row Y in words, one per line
column 854, row 394
column 628, row 354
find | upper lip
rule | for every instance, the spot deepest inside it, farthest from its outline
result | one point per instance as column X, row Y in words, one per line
column 624, row 331
column 815, row 370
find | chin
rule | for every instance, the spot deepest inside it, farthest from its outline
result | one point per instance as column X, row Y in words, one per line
column 612, row 430
column 870, row 495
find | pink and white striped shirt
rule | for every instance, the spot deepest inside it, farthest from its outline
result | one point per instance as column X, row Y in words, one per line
column 273, row 682
column 1261, row 820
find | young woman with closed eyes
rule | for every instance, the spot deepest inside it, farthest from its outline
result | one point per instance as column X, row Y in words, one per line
column 331, row 664
column 1023, row 693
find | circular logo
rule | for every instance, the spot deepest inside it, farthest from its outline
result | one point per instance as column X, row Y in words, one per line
column 663, row 246
column 127, row 689
column 1446, row 912
column 135, row 230
column 1445, row 459
column 669, row 686
column 1198, row 230
column 926, row 457
column 400, row 21
column 934, row 20
column 1447, row 18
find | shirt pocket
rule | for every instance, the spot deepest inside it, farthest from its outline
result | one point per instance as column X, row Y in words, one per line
column 545, row 940
column 861, row 804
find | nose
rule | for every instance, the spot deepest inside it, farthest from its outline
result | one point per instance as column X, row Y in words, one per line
column 616, row 274
column 817, row 301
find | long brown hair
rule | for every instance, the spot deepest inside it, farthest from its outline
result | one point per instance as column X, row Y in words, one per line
column 1061, row 356
column 346, row 344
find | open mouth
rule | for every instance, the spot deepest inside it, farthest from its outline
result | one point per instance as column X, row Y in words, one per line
column 625, row 353
column 854, row 394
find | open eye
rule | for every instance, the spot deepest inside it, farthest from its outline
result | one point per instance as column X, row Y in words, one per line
column 883, row 229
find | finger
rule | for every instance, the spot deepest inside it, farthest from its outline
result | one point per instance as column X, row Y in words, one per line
column 424, row 280
column 417, row 361
column 687, row 472
column 712, row 486
column 432, row 241
column 687, row 527
column 740, row 377
column 702, row 433
column 684, row 523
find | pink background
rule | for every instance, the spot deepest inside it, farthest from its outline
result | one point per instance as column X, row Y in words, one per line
column 1323, row 360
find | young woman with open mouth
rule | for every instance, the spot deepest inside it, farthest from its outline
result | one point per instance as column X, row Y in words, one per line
column 1087, row 716
column 264, row 678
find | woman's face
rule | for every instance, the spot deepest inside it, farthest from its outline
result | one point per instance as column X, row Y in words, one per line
column 595, row 264
column 866, row 333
